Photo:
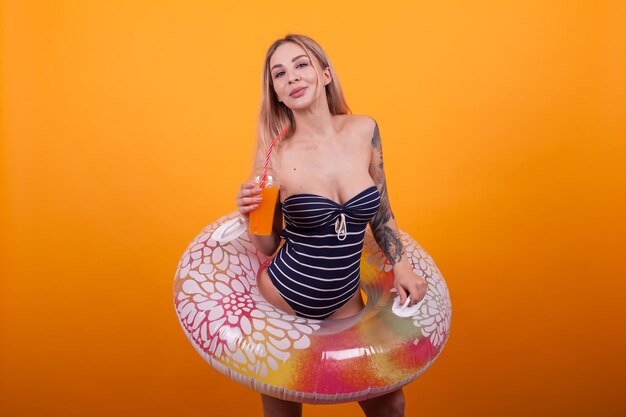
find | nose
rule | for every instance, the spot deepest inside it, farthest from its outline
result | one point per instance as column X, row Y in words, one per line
column 293, row 77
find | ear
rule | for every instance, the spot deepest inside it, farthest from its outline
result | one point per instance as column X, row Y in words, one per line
column 328, row 77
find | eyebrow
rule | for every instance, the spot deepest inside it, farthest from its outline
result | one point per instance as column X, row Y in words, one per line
column 280, row 65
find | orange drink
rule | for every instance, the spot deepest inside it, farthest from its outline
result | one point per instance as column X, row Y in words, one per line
column 262, row 217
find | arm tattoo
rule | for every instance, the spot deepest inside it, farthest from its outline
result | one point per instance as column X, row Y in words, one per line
column 386, row 237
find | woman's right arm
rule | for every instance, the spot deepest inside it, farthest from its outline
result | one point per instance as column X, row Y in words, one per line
column 248, row 199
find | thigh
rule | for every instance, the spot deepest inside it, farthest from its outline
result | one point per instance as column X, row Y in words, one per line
column 270, row 293
column 391, row 404
column 274, row 407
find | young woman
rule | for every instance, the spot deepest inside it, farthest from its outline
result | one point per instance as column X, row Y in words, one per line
column 332, row 184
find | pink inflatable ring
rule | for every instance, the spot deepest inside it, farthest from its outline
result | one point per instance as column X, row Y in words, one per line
column 297, row 359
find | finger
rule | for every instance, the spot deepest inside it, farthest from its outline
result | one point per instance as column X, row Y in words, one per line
column 420, row 291
column 417, row 293
column 250, row 191
column 409, row 296
column 246, row 186
column 410, row 293
column 252, row 200
column 422, row 287
column 401, row 293
column 248, row 209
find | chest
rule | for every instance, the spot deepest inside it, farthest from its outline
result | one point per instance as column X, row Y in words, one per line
column 334, row 170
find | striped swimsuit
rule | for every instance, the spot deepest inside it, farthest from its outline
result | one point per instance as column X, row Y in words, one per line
column 317, row 270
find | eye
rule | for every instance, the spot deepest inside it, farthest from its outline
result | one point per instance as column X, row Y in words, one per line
column 278, row 74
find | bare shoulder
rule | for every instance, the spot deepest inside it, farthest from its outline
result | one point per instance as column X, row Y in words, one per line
column 363, row 126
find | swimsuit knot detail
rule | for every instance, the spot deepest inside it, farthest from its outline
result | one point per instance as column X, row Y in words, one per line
column 340, row 227
column 317, row 270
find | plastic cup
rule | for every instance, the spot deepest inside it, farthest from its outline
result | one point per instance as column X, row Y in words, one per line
column 262, row 217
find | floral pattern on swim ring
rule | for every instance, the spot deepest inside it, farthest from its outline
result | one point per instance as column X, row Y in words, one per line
column 220, row 313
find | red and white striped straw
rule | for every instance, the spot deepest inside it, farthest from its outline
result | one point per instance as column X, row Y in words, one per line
column 268, row 154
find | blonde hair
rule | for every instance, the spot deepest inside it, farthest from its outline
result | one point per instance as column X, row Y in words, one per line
column 274, row 116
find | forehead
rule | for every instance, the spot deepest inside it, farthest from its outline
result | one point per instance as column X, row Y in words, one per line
column 285, row 53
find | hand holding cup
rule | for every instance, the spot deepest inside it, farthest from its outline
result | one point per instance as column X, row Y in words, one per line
column 256, row 201
column 248, row 198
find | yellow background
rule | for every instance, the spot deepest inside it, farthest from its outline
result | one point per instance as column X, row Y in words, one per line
column 128, row 126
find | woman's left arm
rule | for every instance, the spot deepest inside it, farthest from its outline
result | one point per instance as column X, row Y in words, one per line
column 387, row 235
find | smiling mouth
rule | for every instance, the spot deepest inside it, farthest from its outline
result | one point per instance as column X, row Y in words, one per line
column 297, row 92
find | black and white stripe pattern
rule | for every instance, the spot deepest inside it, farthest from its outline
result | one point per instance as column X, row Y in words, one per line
column 317, row 270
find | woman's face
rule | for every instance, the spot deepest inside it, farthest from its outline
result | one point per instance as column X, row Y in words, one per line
column 294, row 77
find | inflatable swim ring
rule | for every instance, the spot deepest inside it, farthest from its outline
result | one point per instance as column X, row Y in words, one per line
column 270, row 351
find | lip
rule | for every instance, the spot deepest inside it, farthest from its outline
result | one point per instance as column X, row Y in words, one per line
column 296, row 91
